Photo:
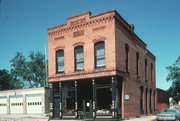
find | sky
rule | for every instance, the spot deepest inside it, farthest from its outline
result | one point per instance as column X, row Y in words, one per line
column 24, row 24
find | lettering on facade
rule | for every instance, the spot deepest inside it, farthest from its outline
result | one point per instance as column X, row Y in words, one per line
column 59, row 38
column 99, row 28
column 78, row 33
column 78, row 21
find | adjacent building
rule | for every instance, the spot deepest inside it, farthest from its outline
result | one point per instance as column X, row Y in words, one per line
column 99, row 68
column 162, row 99
column 30, row 101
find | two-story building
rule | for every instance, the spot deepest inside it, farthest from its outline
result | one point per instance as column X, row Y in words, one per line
column 99, row 68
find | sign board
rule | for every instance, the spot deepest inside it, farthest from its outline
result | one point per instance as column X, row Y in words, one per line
column 126, row 97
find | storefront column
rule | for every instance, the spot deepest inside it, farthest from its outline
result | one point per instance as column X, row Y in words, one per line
column 60, row 103
column 94, row 98
column 114, row 106
column 51, row 100
column 76, row 107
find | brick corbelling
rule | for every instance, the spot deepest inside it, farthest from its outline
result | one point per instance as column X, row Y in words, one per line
column 64, row 29
column 85, row 74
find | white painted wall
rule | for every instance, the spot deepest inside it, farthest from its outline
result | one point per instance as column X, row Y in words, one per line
column 24, row 101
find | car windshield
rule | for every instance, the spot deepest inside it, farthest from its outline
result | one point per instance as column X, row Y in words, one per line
column 170, row 110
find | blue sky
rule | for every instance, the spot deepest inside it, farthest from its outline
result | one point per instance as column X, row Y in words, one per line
column 24, row 24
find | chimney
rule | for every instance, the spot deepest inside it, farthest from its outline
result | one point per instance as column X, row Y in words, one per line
column 132, row 26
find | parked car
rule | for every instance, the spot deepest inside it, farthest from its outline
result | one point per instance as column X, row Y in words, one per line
column 169, row 114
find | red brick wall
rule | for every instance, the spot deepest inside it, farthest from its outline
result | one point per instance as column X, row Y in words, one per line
column 95, row 28
column 84, row 29
column 162, row 100
column 125, row 35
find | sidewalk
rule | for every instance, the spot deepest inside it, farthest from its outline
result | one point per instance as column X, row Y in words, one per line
column 143, row 118
column 44, row 118
column 23, row 117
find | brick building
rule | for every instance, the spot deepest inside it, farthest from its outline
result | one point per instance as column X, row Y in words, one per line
column 99, row 68
column 162, row 100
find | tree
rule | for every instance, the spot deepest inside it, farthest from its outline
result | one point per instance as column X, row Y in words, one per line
column 174, row 76
column 5, row 79
column 31, row 72
column 7, row 82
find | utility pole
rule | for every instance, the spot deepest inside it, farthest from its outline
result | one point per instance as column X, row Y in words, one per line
column 45, row 62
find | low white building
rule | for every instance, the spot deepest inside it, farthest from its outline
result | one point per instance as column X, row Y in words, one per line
column 28, row 101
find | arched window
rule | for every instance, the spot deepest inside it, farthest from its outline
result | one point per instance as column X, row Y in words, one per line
column 60, row 61
column 79, row 58
column 99, row 55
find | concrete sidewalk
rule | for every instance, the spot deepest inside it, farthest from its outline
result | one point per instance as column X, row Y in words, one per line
column 143, row 118
column 45, row 118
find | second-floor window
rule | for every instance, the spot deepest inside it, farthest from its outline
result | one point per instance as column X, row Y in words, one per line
column 151, row 72
column 127, row 57
column 137, row 64
column 59, row 61
column 145, row 69
column 79, row 58
column 99, row 55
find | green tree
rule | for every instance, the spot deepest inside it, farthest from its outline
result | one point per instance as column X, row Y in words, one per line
column 7, row 82
column 174, row 76
column 30, row 71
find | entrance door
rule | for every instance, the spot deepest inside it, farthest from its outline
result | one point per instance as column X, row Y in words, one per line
column 84, row 99
column 56, row 112
column 87, row 109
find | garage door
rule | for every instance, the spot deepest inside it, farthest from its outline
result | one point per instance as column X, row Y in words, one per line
column 3, row 105
column 34, row 104
column 16, row 104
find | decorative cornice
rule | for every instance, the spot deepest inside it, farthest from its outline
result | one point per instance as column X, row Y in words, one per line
column 65, row 29
column 83, row 73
